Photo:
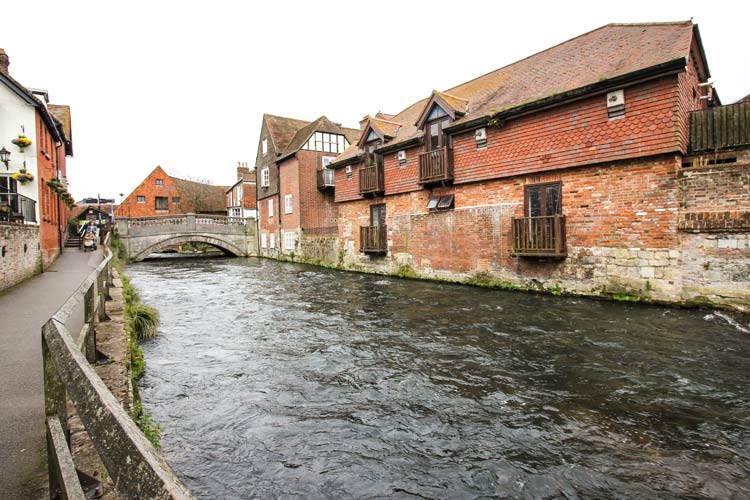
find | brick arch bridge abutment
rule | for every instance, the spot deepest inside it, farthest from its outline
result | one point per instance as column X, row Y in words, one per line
column 143, row 236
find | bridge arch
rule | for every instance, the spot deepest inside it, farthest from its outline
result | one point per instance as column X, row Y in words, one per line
column 171, row 240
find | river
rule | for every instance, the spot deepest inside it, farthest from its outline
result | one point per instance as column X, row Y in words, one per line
column 277, row 380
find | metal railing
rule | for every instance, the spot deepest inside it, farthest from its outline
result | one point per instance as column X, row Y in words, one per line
column 373, row 239
column 15, row 207
column 371, row 179
column 720, row 127
column 539, row 236
column 137, row 470
column 436, row 166
column 326, row 178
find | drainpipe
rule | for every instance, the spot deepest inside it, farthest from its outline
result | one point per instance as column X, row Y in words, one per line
column 57, row 172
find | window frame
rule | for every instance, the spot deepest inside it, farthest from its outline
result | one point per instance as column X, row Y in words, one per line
column 165, row 207
column 542, row 186
column 139, row 198
column 159, row 182
column 265, row 177
column 175, row 200
column 270, row 208
column 288, row 204
column 290, row 240
column 272, row 240
column 264, row 146
column 263, row 240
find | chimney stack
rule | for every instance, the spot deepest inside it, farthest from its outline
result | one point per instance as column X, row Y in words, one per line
column 4, row 61
column 242, row 170
column 363, row 122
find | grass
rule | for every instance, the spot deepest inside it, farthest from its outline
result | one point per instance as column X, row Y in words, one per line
column 144, row 320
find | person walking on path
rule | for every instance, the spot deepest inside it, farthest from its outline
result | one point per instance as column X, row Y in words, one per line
column 23, row 310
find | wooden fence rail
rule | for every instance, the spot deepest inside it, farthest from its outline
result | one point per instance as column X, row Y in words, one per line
column 137, row 470
column 719, row 128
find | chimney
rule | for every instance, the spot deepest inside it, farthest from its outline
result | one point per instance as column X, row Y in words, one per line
column 4, row 61
column 242, row 170
column 363, row 122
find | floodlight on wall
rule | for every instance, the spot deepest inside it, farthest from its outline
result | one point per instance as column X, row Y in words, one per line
column 5, row 157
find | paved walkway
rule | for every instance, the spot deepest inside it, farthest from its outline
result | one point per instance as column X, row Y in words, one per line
column 23, row 311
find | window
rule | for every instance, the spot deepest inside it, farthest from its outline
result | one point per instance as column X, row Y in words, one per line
column 289, row 240
column 265, row 177
column 161, row 203
column 264, row 146
column 288, row 204
column 263, row 240
column 443, row 202
column 236, row 212
column 543, row 200
column 159, row 182
column 140, row 199
column 327, row 160
column 377, row 215
column 326, row 142
column 270, row 210
column 373, row 158
column 348, row 172
column 175, row 200
column 435, row 137
column 272, row 240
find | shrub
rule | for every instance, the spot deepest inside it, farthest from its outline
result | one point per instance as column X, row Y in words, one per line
column 145, row 320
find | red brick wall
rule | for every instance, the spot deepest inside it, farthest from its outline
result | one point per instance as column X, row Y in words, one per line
column 148, row 188
column 318, row 209
column 347, row 188
column 49, row 214
column 627, row 204
column 248, row 195
column 289, row 183
column 268, row 224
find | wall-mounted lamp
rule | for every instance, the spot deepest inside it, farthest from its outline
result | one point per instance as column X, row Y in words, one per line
column 5, row 157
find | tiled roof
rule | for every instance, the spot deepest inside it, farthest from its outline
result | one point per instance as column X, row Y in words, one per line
column 62, row 114
column 610, row 51
column 212, row 197
column 744, row 99
column 322, row 124
column 282, row 129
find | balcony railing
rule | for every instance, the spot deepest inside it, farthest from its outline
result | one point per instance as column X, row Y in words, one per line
column 16, row 207
column 370, row 180
column 436, row 166
column 719, row 128
column 539, row 236
column 373, row 239
column 326, row 178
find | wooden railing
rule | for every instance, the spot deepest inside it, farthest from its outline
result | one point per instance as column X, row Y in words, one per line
column 370, row 180
column 326, row 178
column 539, row 236
column 436, row 166
column 137, row 470
column 373, row 239
column 721, row 127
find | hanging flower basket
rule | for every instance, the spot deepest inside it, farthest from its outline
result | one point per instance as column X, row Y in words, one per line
column 22, row 142
column 55, row 185
column 22, row 176
column 4, row 208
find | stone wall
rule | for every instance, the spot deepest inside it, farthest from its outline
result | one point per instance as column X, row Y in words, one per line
column 20, row 254
column 322, row 249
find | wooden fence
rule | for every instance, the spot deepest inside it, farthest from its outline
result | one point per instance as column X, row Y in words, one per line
column 720, row 128
column 137, row 470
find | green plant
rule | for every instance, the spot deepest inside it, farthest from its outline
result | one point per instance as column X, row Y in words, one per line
column 406, row 271
column 137, row 363
column 145, row 320
column 556, row 290
column 706, row 266
column 649, row 286
column 150, row 428
column 623, row 297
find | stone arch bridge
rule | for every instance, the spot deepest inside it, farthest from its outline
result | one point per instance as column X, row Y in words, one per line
column 143, row 236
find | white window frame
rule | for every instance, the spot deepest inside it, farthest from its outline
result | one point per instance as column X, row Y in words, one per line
column 327, row 160
column 270, row 208
column 140, row 198
column 264, row 146
column 272, row 240
column 288, row 204
column 290, row 240
column 263, row 240
column 265, row 177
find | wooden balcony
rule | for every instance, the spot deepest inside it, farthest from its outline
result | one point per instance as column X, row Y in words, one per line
column 373, row 239
column 326, row 179
column 719, row 128
column 371, row 180
column 436, row 166
column 539, row 236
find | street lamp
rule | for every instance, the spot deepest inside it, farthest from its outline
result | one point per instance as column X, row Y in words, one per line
column 5, row 157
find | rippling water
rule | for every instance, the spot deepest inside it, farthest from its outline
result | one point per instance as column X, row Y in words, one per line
column 276, row 380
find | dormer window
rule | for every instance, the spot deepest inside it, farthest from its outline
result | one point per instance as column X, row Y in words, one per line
column 373, row 158
column 435, row 136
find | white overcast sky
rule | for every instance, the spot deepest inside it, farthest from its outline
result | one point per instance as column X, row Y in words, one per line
column 184, row 84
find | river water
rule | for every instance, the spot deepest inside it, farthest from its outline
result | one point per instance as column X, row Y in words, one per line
column 276, row 380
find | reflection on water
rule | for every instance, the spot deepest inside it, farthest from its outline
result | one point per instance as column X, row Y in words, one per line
column 276, row 380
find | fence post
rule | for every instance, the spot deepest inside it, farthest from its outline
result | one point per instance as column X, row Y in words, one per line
column 89, row 308
column 101, row 295
column 55, row 401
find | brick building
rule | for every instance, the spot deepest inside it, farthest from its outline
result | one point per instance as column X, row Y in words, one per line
column 242, row 195
column 161, row 194
column 45, row 129
column 308, row 213
column 562, row 171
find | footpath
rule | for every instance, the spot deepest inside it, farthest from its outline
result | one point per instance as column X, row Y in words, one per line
column 23, row 310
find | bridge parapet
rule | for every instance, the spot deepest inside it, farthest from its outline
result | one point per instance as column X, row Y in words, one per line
column 143, row 226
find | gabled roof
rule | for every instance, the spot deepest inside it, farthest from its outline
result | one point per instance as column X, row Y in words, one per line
column 62, row 114
column 744, row 99
column 606, row 56
column 385, row 129
column 322, row 124
column 32, row 100
column 282, row 130
column 453, row 105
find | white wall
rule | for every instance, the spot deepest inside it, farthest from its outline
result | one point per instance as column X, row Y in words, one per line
column 15, row 112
